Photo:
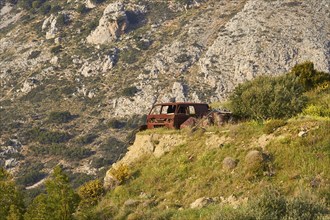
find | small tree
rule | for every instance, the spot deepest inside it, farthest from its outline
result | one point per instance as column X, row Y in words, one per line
column 11, row 200
column 59, row 202
column 308, row 76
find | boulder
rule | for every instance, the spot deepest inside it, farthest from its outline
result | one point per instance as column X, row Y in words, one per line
column 201, row 202
column 229, row 163
column 254, row 163
column 49, row 25
column 112, row 24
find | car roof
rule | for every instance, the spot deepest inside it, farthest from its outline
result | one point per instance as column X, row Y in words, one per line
column 181, row 103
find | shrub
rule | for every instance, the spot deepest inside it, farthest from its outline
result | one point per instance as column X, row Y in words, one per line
column 62, row 20
column 317, row 110
column 56, row 49
column 82, row 9
column 130, row 91
column 270, row 205
column 68, row 152
column 60, row 117
column 97, row 1
column 45, row 9
column 90, row 193
column 273, row 205
column 116, row 124
column 30, row 177
column 304, row 208
column 308, row 76
column 272, row 125
column 55, row 9
column 182, row 58
column 129, row 56
column 46, row 137
column 268, row 97
column 87, row 139
column 34, row 54
column 120, row 173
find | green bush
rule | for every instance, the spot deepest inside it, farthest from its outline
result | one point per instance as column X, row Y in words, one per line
column 272, row 125
column 60, row 117
column 62, row 20
column 34, row 54
column 270, row 205
column 90, row 193
column 44, row 136
column 82, row 9
column 317, row 110
column 308, row 76
column 116, row 124
column 56, row 49
column 87, row 139
column 68, row 152
column 45, row 9
column 129, row 56
column 121, row 173
column 268, row 98
column 273, row 205
column 55, row 9
column 130, row 91
column 304, row 208
column 97, row 1
column 30, row 176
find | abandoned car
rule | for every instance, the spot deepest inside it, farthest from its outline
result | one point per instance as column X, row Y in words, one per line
column 174, row 114
column 178, row 115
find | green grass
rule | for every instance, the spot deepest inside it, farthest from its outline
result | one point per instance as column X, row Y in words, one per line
column 171, row 183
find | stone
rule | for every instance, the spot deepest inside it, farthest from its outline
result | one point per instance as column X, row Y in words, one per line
column 49, row 26
column 302, row 133
column 28, row 85
column 109, row 181
column 229, row 163
column 54, row 60
column 9, row 163
column 254, row 162
column 111, row 26
column 201, row 202
column 131, row 202
column 90, row 4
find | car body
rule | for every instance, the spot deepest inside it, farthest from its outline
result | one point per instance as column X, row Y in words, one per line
column 173, row 114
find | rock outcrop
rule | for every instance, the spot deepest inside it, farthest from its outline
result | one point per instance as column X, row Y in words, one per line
column 49, row 26
column 268, row 37
column 112, row 24
column 153, row 145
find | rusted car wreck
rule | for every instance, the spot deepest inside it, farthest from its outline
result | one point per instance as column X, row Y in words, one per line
column 176, row 115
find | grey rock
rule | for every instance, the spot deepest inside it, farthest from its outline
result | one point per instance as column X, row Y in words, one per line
column 131, row 202
column 229, row 163
column 10, row 163
column 201, row 202
column 49, row 26
column 302, row 133
column 112, row 24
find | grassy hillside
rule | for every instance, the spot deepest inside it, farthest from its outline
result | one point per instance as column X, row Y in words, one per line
column 294, row 164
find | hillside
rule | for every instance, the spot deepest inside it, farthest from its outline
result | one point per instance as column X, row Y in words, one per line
column 78, row 77
column 226, row 168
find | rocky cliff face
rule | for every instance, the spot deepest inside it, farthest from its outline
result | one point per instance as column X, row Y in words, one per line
column 117, row 58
